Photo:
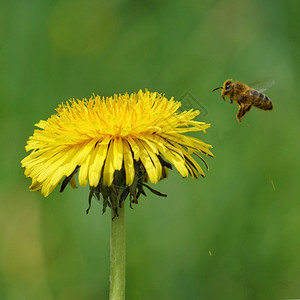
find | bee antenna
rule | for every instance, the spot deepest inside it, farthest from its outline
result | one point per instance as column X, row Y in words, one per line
column 220, row 87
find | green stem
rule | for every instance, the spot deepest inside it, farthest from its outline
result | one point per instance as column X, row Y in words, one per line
column 117, row 256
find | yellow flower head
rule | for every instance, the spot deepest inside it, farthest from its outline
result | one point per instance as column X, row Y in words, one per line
column 117, row 144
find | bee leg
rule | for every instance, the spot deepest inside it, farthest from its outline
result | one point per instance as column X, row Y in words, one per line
column 231, row 101
column 242, row 111
column 240, row 114
column 224, row 98
column 247, row 107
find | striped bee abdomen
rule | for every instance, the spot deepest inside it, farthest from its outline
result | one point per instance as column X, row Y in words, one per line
column 260, row 100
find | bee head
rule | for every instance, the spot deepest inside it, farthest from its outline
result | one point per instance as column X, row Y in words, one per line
column 226, row 88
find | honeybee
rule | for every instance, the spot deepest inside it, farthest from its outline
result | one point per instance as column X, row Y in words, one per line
column 244, row 96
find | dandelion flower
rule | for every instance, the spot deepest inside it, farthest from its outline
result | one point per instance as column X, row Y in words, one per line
column 116, row 144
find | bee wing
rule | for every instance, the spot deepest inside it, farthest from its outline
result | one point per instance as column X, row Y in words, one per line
column 262, row 85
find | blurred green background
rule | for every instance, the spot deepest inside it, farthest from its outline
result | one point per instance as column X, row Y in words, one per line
column 245, row 213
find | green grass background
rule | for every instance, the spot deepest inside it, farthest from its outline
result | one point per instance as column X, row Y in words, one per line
column 55, row 50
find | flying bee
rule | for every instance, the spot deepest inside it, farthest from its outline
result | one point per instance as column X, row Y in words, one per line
column 244, row 96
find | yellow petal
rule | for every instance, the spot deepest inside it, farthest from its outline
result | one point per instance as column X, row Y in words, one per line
column 97, row 161
column 128, row 163
column 148, row 163
column 118, row 153
column 109, row 170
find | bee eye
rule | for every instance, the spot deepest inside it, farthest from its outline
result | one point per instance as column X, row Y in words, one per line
column 227, row 86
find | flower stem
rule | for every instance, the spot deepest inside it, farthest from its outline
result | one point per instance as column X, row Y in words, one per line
column 117, row 256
